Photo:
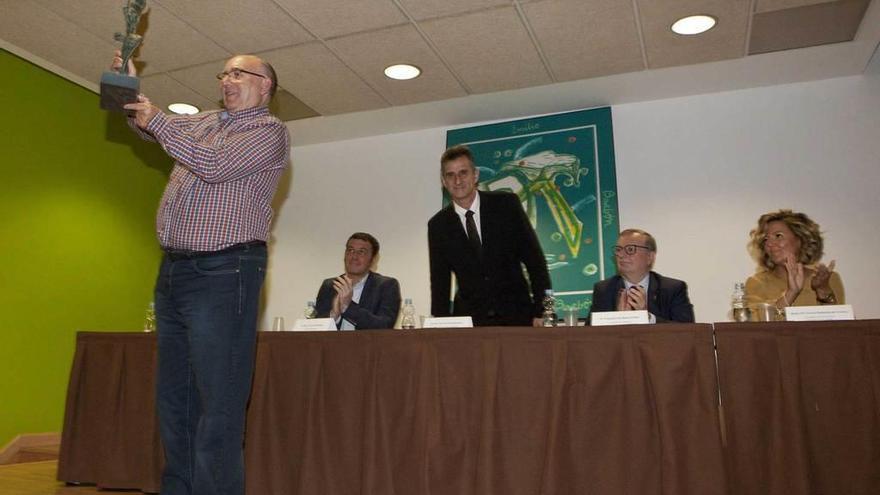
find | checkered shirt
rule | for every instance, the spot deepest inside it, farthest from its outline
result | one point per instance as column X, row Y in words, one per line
column 226, row 170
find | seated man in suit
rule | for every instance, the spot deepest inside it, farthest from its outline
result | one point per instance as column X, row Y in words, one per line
column 484, row 238
column 636, row 287
column 359, row 299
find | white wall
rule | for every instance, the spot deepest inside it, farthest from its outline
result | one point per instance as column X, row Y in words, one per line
column 695, row 171
column 386, row 185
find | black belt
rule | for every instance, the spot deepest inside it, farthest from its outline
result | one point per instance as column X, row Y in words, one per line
column 185, row 254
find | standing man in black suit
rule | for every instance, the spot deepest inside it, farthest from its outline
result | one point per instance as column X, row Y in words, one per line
column 636, row 287
column 359, row 299
column 484, row 238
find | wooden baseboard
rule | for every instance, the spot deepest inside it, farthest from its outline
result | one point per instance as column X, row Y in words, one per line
column 11, row 450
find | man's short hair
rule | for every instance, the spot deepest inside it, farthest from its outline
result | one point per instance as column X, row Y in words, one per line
column 650, row 242
column 270, row 71
column 363, row 236
column 454, row 153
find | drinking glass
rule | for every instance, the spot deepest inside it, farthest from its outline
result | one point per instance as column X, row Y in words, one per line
column 571, row 317
column 278, row 324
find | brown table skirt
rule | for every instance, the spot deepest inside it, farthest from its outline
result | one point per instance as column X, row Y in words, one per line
column 613, row 410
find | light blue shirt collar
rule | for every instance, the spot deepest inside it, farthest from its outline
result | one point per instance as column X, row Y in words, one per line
column 643, row 282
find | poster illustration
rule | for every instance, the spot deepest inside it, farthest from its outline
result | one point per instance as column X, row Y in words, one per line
column 562, row 168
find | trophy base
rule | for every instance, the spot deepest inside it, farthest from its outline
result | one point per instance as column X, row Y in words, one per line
column 118, row 90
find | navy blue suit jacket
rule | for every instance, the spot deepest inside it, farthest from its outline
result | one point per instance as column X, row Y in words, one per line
column 668, row 298
column 491, row 287
column 377, row 309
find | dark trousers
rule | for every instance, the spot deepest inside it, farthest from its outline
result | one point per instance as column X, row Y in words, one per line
column 206, row 314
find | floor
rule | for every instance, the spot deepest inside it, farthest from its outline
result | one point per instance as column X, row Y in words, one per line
column 38, row 478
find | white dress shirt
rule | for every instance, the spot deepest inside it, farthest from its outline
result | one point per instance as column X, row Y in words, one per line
column 356, row 291
column 475, row 207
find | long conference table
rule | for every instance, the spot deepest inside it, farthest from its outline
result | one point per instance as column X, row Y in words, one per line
column 789, row 408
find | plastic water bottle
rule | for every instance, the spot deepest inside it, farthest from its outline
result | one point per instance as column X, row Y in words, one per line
column 150, row 318
column 408, row 321
column 549, row 303
column 310, row 311
column 738, row 303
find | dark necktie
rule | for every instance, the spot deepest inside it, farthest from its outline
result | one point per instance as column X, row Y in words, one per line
column 473, row 235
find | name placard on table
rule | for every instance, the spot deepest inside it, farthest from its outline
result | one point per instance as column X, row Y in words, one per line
column 604, row 318
column 448, row 322
column 819, row 313
column 314, row 325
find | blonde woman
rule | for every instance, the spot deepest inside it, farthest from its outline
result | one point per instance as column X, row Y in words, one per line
column 788, row 247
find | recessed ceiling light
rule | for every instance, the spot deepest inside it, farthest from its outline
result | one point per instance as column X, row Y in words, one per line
column 694, row 24
column 402, row 72
column 183, row 108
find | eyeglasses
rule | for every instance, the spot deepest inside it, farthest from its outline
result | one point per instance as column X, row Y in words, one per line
column 629, row 249
column 235, row 74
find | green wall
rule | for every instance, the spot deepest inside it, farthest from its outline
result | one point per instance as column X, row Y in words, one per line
column 78, row 195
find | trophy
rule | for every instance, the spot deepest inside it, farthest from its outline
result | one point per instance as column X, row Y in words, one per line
column 117, row 87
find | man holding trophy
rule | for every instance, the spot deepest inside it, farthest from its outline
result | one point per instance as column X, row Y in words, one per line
column 213, row 223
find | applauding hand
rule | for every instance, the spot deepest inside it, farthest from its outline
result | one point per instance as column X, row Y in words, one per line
column 344, row 291
column 632, row 299
column 820, row 282
column 795, row 271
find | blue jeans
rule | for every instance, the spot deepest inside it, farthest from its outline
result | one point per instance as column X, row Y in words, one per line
column 206, row 315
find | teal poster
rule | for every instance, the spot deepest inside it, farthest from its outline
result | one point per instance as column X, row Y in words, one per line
column 562, row 168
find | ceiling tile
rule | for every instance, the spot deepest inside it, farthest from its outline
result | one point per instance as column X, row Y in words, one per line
column 489, row 50
column 369, row 53
column 58, row 40
column 463, row 46
column 425, row 9
column 201, row 79
column 240, row 27
column 806, row 26
column 329, row 18
column 163, row 33
column 102, row 19
column 163, row 90
column 287, row 107
column 665, row 48
column 586, row 39
column 771, row 5
column 314, row 75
